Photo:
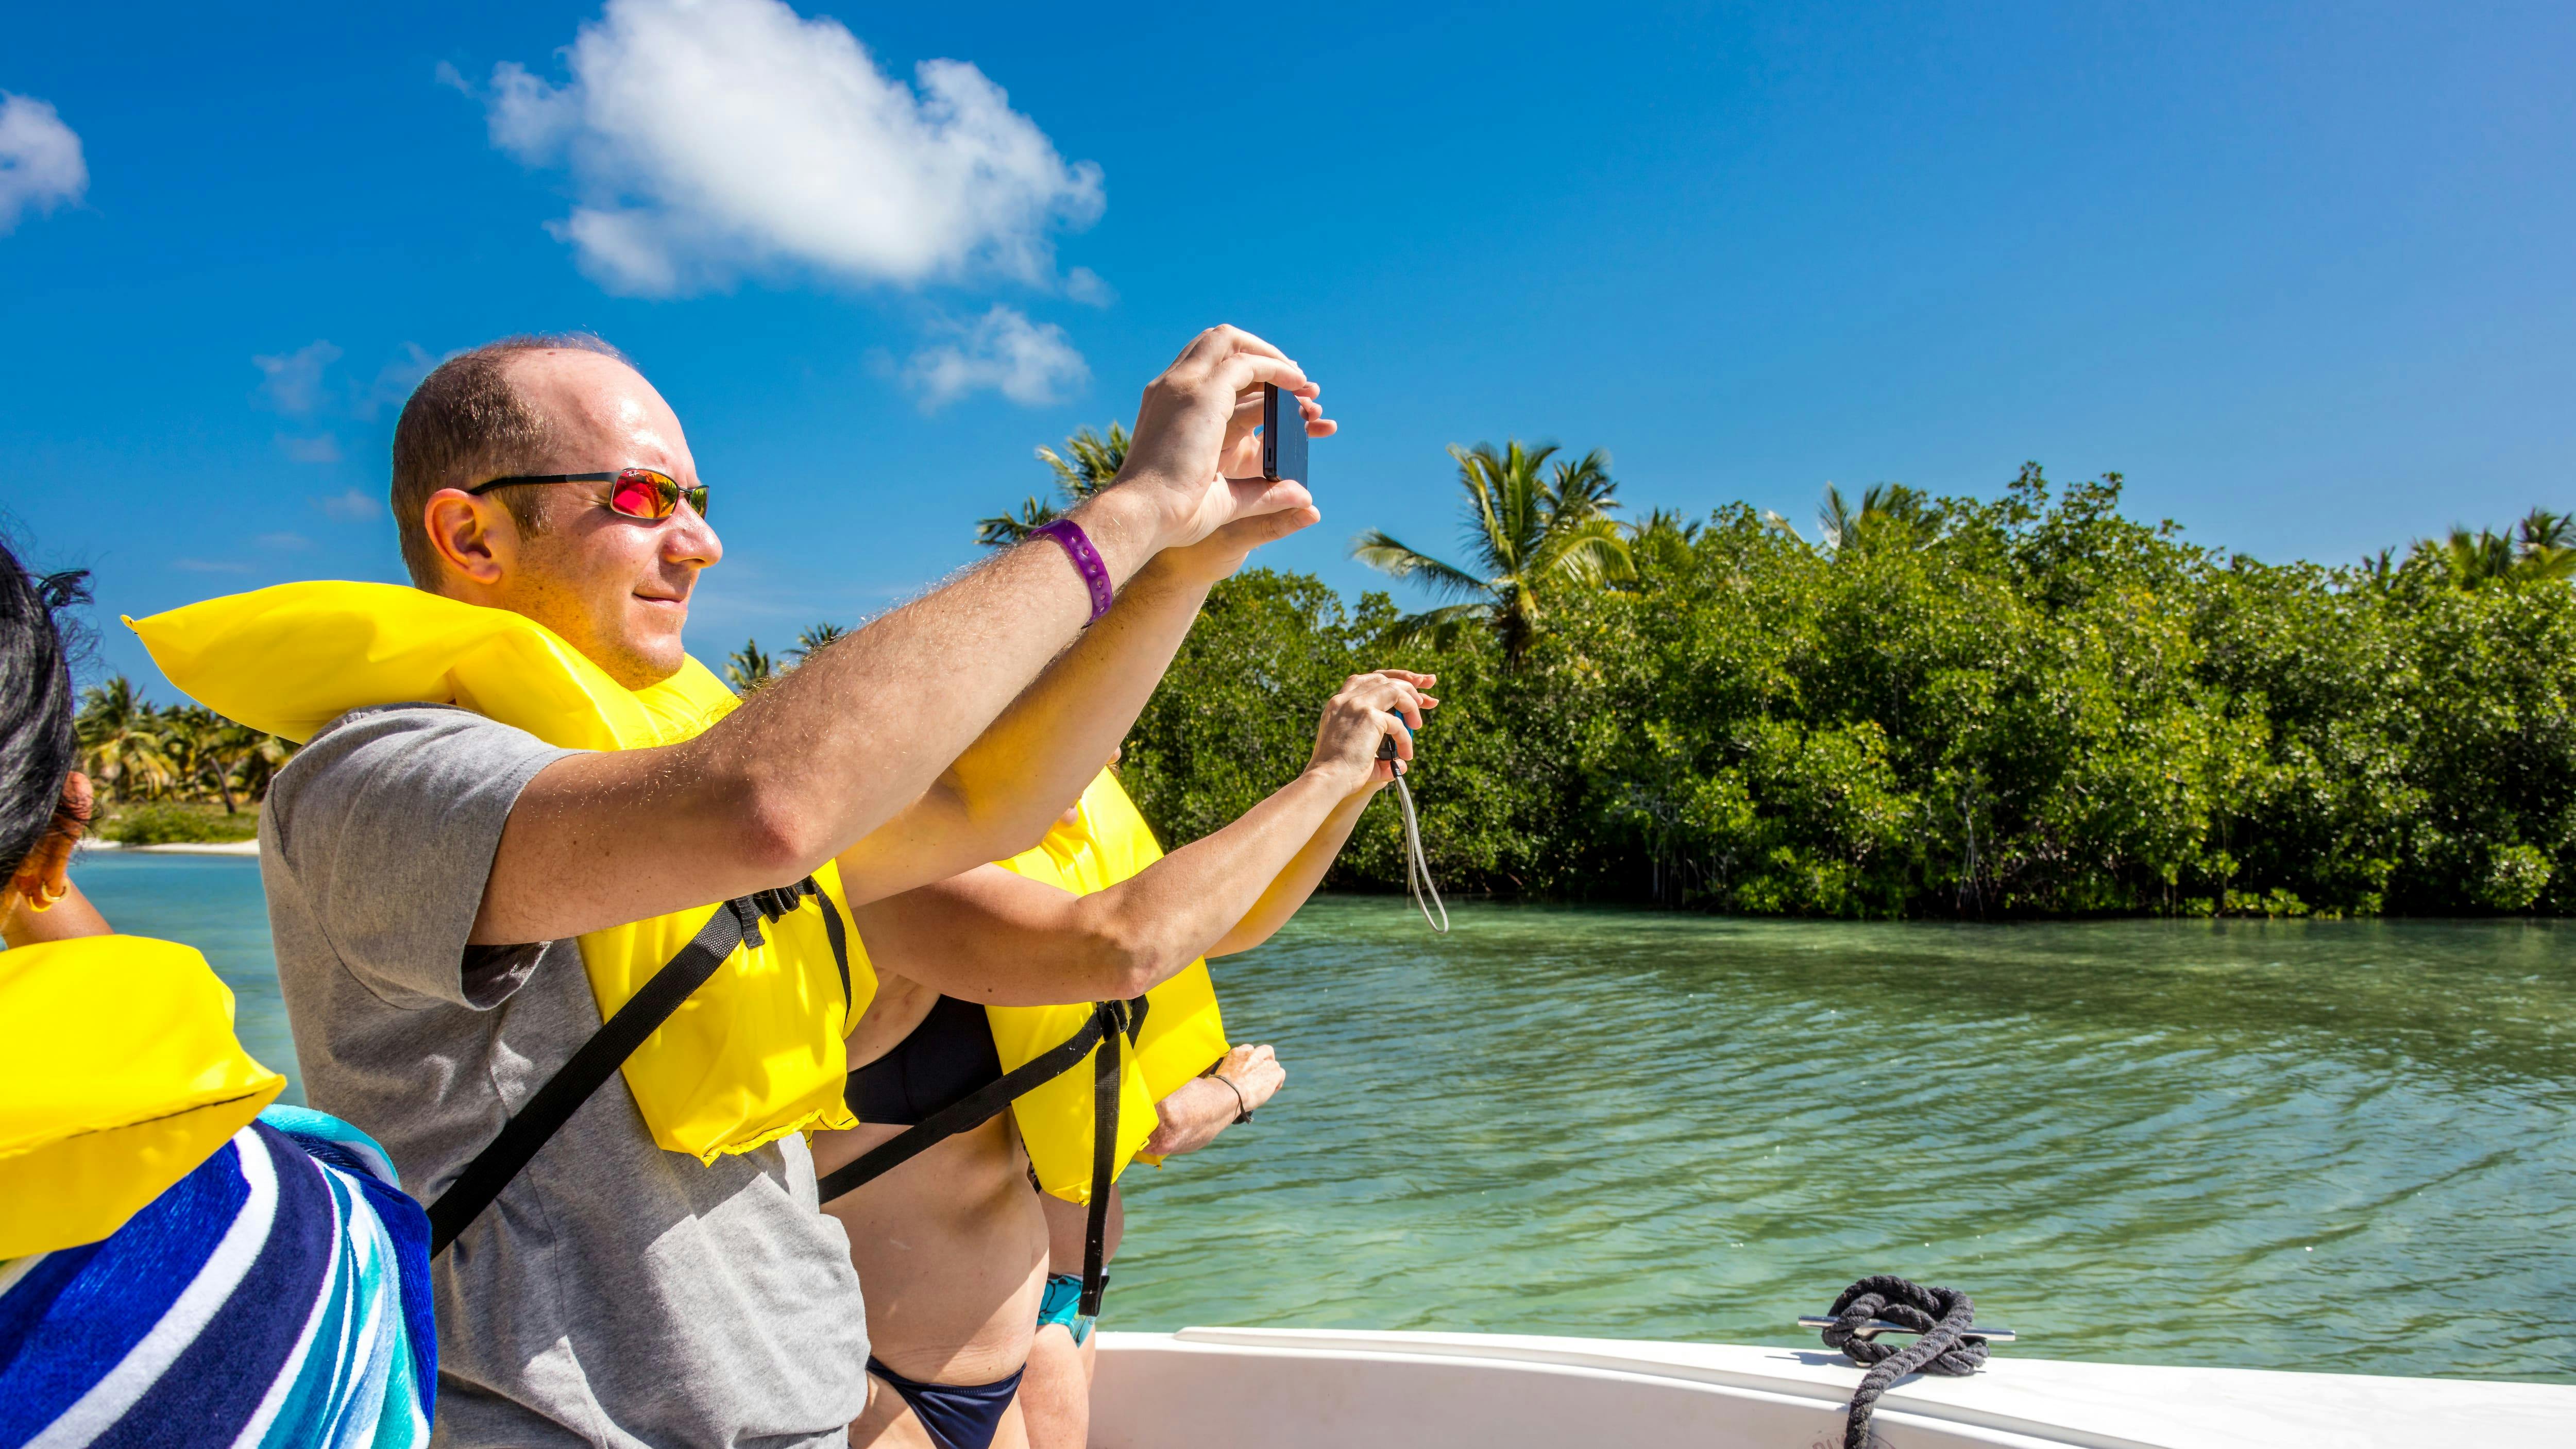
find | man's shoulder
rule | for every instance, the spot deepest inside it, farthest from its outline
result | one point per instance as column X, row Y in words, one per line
column 380, row 721
column 401, row 755
column 367, row 734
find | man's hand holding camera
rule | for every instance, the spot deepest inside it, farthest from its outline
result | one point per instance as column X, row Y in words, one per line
column 1195, row 458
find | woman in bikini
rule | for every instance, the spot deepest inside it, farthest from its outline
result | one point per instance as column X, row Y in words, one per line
column 952, row 1247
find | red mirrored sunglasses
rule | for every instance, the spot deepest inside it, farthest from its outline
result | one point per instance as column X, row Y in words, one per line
column 636, row 492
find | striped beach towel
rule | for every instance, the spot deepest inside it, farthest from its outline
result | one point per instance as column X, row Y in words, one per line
column 276, row 1296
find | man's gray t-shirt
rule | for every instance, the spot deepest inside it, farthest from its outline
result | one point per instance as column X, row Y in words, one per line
column 615, row 1293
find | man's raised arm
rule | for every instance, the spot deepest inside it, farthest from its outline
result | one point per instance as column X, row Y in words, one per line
column 1020, row 774
column 833, row 751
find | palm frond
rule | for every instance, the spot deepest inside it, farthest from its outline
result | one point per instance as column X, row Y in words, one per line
column 810, row 640
column 1388, row 555
column 1507, row 501
column 1664, row 523
column 1583, row 487
column 1096, row 460
column 749, row 667
column 1836, row 519
column 1438, row 628
column 2545, row 545
column 1588, row 555
column 2541, row 528
column 1883, row 506
column 1005, row 529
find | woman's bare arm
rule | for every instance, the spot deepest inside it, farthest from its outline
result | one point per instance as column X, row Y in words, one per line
column 1292, row 886
column 1192, row 1116
column 995, row 937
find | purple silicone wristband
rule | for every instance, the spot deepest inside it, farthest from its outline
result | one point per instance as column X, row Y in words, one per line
column 1077, row 546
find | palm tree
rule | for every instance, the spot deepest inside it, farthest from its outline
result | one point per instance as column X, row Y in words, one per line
column 2470, row 559
column 811, row 639
column 192, row 737
column 2546, row 545
column 1095, row 461
column 1881, row 504
column 120, row 741
column 1661, row 541
column 2542, row 546
column 256, row 759
column 749, row 667
column 1526, row 533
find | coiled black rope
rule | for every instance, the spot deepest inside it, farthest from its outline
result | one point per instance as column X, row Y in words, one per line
column 1948, row 1345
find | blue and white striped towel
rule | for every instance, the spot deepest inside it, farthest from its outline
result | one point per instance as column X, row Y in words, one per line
column 277, row 1296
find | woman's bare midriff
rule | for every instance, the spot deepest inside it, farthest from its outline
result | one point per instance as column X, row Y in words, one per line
column 951, row 1247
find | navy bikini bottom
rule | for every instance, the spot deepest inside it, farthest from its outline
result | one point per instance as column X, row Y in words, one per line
column 958, row 1416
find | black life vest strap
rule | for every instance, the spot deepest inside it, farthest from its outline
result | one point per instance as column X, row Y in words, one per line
column 1109, row 1028
column 1105, row 1084
column 977, row 1107
column 735, row 923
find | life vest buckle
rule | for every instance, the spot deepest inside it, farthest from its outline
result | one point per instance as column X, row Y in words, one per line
column 779, row 900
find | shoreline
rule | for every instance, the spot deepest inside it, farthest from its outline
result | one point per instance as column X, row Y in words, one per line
column 194, row 847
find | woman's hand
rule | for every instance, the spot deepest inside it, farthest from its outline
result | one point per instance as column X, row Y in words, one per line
column 1370, row 707
column 1255, row 1072
column 1190, row 1118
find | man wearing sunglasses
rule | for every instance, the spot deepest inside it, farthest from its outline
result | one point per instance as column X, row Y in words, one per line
column 429, row 869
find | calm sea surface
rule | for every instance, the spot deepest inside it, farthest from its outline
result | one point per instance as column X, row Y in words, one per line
column 2332, row 1145
column 211, row 902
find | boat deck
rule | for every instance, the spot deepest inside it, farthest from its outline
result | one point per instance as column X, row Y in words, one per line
column 1294, row 1389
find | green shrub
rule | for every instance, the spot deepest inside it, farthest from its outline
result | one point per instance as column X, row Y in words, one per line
column 2022, row 706
column 175, row 824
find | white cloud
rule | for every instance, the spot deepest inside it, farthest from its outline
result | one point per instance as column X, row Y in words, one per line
column 713, row 139
column 1027, row 362
column 40, row 160
column 324, row 449
column 1084, row 285
column 294, row 383
column 350, row 506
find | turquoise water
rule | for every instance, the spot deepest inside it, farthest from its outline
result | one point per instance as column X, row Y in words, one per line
column 2309, row 1145
column 211, row 902
column 2331, row 1145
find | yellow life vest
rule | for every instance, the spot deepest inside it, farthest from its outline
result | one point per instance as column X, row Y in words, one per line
column 756, row 1052
column 119, row 1074
column 1182, row 1033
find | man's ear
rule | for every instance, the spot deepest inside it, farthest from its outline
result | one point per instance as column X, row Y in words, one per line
column 475, row 537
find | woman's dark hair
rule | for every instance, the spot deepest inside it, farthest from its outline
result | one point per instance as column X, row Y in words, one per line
column 36, row 747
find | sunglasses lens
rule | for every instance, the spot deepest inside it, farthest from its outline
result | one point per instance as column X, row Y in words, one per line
column 641, row 493
column 697, row 499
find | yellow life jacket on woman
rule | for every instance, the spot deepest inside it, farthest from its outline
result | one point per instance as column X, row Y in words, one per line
column 1182, row 1033
column 119, row 1074
column 753, row 1054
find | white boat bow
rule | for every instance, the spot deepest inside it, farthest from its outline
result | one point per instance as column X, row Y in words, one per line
column 1261, row 1388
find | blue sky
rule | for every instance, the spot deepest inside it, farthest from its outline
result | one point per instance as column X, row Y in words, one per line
column 2301, row 272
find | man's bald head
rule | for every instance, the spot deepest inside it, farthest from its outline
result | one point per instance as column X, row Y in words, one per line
column 488, row 414
column 613, row 585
